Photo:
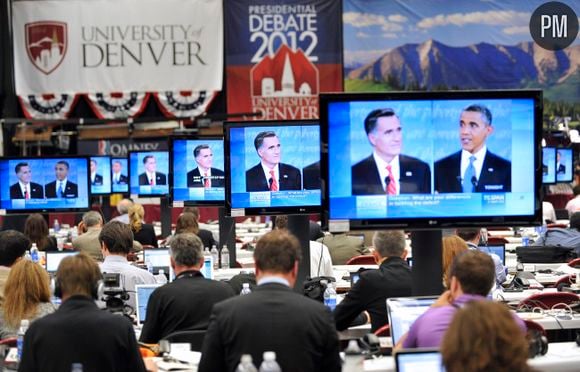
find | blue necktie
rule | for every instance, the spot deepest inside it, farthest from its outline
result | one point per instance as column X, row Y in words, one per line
column 469, row 179
column 59, row 191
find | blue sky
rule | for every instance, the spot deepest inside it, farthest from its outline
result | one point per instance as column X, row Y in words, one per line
column 373, row 27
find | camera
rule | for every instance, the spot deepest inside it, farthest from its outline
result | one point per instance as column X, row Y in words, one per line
column 114, row 295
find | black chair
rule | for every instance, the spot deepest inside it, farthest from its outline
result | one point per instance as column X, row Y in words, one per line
column 194, row 338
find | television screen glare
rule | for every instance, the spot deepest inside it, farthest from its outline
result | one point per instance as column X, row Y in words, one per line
column 100, row 175
column 148, row 173
column 120, row 175
column 564, row 165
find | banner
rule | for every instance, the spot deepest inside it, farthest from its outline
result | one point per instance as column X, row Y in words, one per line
column 279, row 57
column 117, row 46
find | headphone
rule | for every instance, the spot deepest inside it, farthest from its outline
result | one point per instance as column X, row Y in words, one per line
column 538, row 343
column 97, row 291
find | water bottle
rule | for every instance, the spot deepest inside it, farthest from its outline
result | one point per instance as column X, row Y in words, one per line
column 353, row 358
column 330, row 297
column 34, row 253
column 27, row 255
column 215, row 256
column 160, row 277
column 56, row 226
column 149, row 265
column 20, row 337
column 269, row 363
column 225, row 257
column 246, row 364
column 245, row 289
column 76, row 367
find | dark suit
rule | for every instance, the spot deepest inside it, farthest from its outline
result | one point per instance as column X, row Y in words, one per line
column 370, row 293
column 194, row 179
column 561, row 169
column 290, row 178
column 206, row 237
column 98, row 181
column 70, row 190
column 36, row 191
column 415, row 177
column 146, row 236
column 78, row 332
column 271, row 318
column 311, row 176
column 496, row 174
column 123, row 180
column 160, row 179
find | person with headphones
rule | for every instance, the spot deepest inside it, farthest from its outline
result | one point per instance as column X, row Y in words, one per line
column 79, row 332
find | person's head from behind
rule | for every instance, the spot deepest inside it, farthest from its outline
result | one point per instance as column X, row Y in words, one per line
column 203, row 156
column 23, row 172
column 483, row 336
column 472, row 272
column 78, row 275
column 451, row 246
column 469, row 234
column 61, row 170
column 575, row 221
column 193, row 210
column 136, row 216
column 28, row 285
column 116, row 238
column 124, row 205
column 278, row 253
column 150, row 163
column 384, row 132
column 389, row 243
column 186, row 223
column 13, row 245
column 576, row 190
column 186, row 251
column 268, row 147
column 36, row 227
column 474, row 127
column 92, row 219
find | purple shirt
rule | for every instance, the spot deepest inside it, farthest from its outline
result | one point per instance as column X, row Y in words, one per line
column 429, row 328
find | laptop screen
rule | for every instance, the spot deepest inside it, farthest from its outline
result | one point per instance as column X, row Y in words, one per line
column 498, row 249
column 143, row 292
column 158, row 258
column 53, row 259
column 403, row 311
column 419, row 360
column 207, row 269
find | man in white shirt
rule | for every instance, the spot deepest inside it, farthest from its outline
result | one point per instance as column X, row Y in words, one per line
column 24, row 189
column 573, row 205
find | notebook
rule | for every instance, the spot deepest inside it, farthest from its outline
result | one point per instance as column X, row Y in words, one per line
column 403, row 311
column 498, row 249
column 422, row 360
column 142, row 294
column 53, row 259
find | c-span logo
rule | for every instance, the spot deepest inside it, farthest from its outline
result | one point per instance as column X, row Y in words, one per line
column 46, row 44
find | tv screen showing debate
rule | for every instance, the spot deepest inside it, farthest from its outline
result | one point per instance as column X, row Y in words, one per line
column 564, row 165
column 432, row 159
column 119, row 175
column 548, row 165
column 49, row 184
column 149, row 172
column 273, row 167
column 100, row 175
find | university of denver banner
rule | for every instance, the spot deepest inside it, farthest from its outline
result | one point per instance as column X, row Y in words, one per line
column 279, row 57
column 75, row 46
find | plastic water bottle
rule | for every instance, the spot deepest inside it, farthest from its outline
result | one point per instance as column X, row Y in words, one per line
column 269, row 363
column 34, row 253
column 215, row 256
column 56, row 226
column 20, row 337
column 330, row 297
column 225, row 254
column 353, row 358
column 246, row 364
column 27, row 255
column 245, row 289
column 160, row 277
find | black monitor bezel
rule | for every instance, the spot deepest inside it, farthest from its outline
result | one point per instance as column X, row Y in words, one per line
column 89, row 171
column 169, row 180
column 422, row 223
column 266, row 211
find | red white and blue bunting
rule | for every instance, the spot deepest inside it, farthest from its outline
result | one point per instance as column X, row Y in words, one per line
column 117, row 105
column 184, row 103
column 47, row 106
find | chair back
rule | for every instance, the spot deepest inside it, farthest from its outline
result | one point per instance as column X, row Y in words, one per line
column 575, row 262
column 531, row 325
column 367, row 259
column 546, row 300
column 384, row 331
column 491, row 240
column 194, row 338
column 565, row 281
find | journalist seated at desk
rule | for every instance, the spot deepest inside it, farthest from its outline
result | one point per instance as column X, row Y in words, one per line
column 370, row 293
column 569, row 237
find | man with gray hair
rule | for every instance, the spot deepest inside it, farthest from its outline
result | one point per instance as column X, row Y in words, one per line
column 88, row 239
column 123, row 209
column 370, row 293
column 185, row 303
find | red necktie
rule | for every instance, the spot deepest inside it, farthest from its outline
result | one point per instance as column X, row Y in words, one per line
column 151, row 182
column 274, row 183
column 26, row 194
column 206, row 181
column 392, row 186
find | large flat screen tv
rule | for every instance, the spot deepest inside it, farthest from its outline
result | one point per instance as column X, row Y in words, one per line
column 197, row 166
column 100, row 175
column 148, row 173
column 44, row 185
column 431, row 159
column 564, row 164
column 272, row 167
column 119, row 175
column 548, row 165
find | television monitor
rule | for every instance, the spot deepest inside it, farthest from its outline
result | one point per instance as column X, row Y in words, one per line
column 431, row 159
column 290, row 150
column 548, row 165
column 44, row 184
column 100, row 175
column 197, row 166
column 564, row 165
column 119, row 175
column 148, row 173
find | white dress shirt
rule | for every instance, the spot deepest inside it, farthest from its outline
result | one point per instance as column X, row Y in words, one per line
column 383, row 173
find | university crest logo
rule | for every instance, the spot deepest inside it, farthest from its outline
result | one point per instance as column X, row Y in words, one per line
column 46, row 44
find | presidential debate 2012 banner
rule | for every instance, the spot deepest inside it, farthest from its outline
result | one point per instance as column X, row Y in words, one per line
column 279, row 57
column 117, row 46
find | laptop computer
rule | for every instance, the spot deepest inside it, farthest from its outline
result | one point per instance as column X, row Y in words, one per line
column 53, row 260
column 142, row 294
column 159, row 259
column 413, row 360
column 207, row 268
column 497, row 249
column 403, row 312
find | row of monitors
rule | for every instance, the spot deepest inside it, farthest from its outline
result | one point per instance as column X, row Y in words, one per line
column 425, row 136
column 557, row 165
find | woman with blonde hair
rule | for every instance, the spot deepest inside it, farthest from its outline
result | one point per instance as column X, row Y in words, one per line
column 452, row 246
column 142, row 232
column 26, row 296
